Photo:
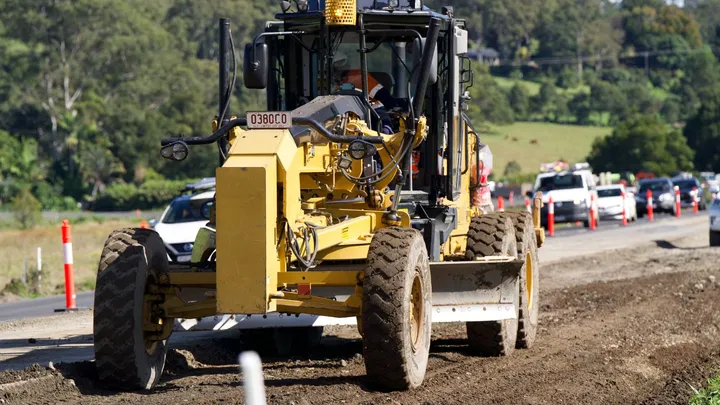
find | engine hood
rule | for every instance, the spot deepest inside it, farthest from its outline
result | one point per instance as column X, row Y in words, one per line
column 184, row 232
column 565, row 195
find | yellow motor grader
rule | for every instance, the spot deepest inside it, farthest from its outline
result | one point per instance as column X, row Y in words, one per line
column 351, row 196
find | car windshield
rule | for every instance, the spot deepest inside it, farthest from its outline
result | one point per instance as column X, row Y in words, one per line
column 561, row 182
column 654, row 186
column 685, row 184
column 182, row 211
column 609, row 192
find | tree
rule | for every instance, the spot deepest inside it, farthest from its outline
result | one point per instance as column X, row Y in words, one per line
column 519, row 100
column 703, row 131
column 491, row 102
column 671, row 110
column 702, row 70
column 544, row 102
column 642, row 143
column 579, row 107
column 26, row 209
column 606, row 98
column 644, row 24
column 512, row 167
column 706, row 14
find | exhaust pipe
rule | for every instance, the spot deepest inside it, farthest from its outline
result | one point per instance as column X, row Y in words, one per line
column 427, row 57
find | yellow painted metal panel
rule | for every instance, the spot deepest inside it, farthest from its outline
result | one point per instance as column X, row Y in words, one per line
column 326, row 278
column 247, row 263
column 266, row 142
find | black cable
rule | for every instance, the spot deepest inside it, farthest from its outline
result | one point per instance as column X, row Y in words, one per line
column 228, row 91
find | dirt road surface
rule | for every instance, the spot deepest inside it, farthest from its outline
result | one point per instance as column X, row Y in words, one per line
column 639, row 325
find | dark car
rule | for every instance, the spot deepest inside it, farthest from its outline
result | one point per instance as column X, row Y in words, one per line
column 686, row 186
column 662, row 194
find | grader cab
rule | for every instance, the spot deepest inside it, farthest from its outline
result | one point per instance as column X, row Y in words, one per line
column 352, row 196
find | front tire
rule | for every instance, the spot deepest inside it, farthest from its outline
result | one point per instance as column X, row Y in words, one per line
column 529, row 311
column 127, row 356
column 493, row 235
column 396, row 310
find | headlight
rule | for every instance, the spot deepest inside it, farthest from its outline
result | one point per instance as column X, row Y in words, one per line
column 665, row 197
column 579, row 202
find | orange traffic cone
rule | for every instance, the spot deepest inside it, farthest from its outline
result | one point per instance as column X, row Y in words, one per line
column 144, row 224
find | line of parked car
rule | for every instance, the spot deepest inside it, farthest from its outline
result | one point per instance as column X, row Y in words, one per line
column 575, row 189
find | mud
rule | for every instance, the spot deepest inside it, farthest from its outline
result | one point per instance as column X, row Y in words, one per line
column 635, row 326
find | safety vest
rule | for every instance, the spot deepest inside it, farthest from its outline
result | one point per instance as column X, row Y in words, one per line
column 354, row 77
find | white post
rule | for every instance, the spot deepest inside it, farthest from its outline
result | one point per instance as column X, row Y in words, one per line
column 253, row 381
column 39, row 266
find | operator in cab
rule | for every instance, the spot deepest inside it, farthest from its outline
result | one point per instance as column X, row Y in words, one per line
column 380, row 98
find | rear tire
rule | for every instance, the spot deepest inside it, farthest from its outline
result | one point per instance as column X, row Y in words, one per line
column 714, row 238
column 396, row 309
column 493, row 235
column 126, row 356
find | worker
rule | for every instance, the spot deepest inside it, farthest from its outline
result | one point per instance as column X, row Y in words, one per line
column 376, row 91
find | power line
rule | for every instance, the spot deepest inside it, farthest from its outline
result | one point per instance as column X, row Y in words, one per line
column 573, row 60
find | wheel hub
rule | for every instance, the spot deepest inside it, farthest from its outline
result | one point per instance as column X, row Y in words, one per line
column 416, row 311
column 152, row 315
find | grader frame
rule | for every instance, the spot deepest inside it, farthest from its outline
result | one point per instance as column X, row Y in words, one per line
column 300, row 227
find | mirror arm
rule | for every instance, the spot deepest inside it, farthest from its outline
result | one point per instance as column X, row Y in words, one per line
column 204, row 140
column 254, row 62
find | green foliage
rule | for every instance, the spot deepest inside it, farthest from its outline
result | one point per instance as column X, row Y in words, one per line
column 26, row 209
column 544, row 102
column 150, row 195
column 703, row 131
column 642, row 143
column 519, row 100
column 512, row 167
column 709, row 395
column 671, row 110
column 489, row 101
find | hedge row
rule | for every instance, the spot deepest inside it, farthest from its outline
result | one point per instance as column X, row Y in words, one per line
column 152, row 194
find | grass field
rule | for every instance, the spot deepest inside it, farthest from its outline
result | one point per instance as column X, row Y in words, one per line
column 87, row 238
column 569, row 142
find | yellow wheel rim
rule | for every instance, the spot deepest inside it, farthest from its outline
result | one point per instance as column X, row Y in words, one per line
column 416, row 311
column 528, row 279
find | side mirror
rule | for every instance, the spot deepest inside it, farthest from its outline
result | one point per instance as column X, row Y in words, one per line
column 255, row 67
column 152, row 223
column 529, row 194
column 417, row 49
column 206, row 208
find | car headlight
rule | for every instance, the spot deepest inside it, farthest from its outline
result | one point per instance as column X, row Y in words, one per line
column 665, row 197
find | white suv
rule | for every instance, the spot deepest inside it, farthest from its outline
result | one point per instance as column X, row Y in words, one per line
column 571, row 193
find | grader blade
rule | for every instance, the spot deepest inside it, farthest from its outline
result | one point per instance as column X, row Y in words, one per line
column 474, row 291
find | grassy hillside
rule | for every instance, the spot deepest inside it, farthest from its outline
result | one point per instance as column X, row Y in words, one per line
column 513, row 142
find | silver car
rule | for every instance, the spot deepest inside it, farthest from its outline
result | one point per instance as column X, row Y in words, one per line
column 715, row 222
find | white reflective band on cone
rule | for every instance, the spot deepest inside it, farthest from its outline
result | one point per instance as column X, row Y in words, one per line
column 67, row 253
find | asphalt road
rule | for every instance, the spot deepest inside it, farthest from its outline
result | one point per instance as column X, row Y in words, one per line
column 567, row 242
column 45, row 306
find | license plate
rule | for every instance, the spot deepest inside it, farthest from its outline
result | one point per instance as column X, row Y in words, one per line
column 184, row 259
column 269, row 119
